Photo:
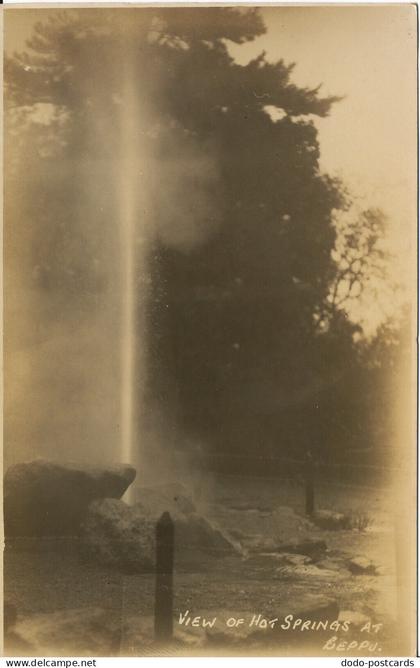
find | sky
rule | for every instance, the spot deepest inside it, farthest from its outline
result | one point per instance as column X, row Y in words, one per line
column 368, row 55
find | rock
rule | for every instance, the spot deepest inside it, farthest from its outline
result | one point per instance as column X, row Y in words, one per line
column 273, row 531
column 306, row 570
column 265, row 530
column 312, row 548
column 309, row 547
column 362, row 566
column 193, row 531
column 285, row 565
column 332, row 564
column 330, row 520
column 123, row 536
column 115, row 535
column 172, row 498
column 45, row 498
column 197, row 536
column 194, row 534
column 263, row 562
column 294, row 559
column 80, row 632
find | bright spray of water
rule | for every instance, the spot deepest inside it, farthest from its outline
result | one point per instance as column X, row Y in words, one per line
column 130, row 199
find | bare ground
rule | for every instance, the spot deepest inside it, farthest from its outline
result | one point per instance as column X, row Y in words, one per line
column 50, row 576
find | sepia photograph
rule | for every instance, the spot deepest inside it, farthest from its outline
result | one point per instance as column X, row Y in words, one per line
column 210, row 316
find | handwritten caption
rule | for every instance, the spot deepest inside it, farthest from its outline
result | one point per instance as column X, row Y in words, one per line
column 291, row 623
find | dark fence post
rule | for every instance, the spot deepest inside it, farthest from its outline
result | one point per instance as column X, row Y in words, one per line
column 165, row 534
column 309, row 484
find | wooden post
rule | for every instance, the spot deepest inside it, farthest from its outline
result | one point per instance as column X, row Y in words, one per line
column 165, row 534
column 309, row 484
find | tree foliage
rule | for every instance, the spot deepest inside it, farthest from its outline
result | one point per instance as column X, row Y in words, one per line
column 247, row 312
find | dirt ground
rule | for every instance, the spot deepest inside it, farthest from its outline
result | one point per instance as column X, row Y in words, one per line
column 49, row 576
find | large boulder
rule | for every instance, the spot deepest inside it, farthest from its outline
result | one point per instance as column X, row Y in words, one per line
column 194, row 533
column 196, row 536
column 117, row 535
column 267, row 530
column 171, row 497
column 46, row 498
column 122, row 536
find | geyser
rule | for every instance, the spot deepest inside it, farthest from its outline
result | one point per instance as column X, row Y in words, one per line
column 131, row 214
